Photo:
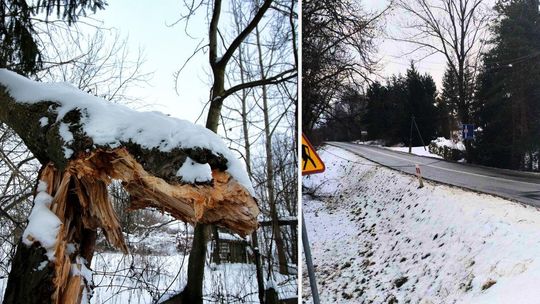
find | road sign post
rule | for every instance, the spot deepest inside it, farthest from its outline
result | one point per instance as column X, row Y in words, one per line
column 467, row 131
column 311, row 164
column 309, row 264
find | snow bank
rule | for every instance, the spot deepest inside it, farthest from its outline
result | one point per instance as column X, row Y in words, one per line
column 415, row 150
column 43, row 224
column 111, row 124
column 447, row 148
column 443, row 142
column 377, row 238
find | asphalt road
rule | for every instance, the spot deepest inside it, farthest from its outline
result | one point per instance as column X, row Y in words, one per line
column 519, row 186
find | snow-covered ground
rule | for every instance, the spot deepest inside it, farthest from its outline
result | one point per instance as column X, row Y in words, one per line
column 156, row 269
column 415, row 150
column 376, row 238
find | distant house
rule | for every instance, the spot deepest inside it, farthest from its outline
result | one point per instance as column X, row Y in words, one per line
column 232, row 248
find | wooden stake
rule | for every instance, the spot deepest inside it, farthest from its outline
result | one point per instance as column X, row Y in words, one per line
column 419, row 175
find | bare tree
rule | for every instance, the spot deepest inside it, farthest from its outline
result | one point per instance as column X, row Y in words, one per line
column 453, row 28
column 337, row 49
column 220, row 52
column 265, row 113
column 99, row 63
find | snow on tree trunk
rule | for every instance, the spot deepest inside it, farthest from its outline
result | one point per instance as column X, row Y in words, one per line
column 85, row 143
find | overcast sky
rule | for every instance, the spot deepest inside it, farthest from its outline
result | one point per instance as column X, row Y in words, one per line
column 394, row 56
column 166, row 49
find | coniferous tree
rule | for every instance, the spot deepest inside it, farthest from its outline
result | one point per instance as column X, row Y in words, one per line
column 458, row 111
column 390, row 109
column 377, row 105
column 508, row 89
column 421, row 102
column 20, row 50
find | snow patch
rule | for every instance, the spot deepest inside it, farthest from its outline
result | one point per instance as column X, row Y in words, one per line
column 70, row 248
column 42, row 265
column 444, row 142
column 43, row 224
column 192, row 171
column 79, row 269
column 415, row 150
column 43, row 121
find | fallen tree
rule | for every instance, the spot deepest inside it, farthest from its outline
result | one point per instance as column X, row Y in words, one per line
column 84, row 144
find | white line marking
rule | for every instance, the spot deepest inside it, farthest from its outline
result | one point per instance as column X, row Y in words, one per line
column 451, row 170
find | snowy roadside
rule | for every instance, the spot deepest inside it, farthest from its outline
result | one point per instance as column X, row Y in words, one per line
column 377, row 238
column 415, row 150
column 421, row 151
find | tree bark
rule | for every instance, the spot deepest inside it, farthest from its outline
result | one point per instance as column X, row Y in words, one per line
column 247, row 155
column 192, row 293
column 276, row 231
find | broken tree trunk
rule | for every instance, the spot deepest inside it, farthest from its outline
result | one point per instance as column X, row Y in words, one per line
column 84, row 144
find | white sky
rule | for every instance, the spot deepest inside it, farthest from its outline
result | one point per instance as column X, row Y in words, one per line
column 165, row 49
column 393, row 55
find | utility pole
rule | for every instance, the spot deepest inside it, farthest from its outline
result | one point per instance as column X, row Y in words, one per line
column 413, row 122
column 419, row 135
column 410, row 135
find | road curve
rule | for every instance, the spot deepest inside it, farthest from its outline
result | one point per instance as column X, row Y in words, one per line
column 519, row 186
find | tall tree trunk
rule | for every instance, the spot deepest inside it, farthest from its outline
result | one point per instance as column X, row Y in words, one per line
column 216, row 255
column 247, row 149
column 247, row 145
column 192, row 293
column 280, row 247
column 197, row 258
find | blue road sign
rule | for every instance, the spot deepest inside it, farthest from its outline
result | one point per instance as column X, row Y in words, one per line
column 467, row 131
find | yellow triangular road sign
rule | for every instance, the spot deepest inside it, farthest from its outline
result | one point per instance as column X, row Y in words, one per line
column 311, row 162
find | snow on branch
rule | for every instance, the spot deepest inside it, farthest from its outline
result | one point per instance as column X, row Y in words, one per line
column 164, row 162
column 57, row 121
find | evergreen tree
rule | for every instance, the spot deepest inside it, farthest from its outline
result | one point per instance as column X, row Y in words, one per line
column 445, row 119
column 20, row 50
column 508, row 88
column 421, row 103
column 376, row 107
column 390, row 108
column 459, row 112
column 449, row 91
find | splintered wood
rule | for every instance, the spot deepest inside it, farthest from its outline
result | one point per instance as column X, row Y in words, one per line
column 225, row 202
column 81, row 202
